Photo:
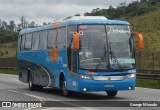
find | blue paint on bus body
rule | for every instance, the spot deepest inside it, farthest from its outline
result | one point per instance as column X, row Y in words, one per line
column 52, row 70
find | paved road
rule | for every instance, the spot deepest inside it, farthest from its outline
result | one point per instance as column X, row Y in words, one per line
column 11, row 89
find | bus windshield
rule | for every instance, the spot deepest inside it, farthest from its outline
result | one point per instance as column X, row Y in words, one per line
column 105, row 47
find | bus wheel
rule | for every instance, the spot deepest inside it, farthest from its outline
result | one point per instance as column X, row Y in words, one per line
column 30, row 83
column 32, row 86
column 111, row 93
column 64, row 89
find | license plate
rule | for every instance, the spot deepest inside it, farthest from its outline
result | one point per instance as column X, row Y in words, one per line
column 109, row 85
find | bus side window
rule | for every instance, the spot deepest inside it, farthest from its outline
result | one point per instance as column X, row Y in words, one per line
column 61, row 38
column 28, row 41
column 35, row 41
column 22, row 42
column 52, row 39
column 43, row 40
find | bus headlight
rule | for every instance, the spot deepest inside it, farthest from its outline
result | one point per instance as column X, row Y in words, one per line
column 85, row 76
column 131, row 75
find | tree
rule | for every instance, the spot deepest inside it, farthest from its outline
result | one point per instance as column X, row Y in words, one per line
column 86, row 14
column 4, row 26
column 77, row 15
column 44, row 23
column 111, row 7
column 124, row 4
column 143, row 0
column 32, row 24
column 11, row 26
column 49, row 22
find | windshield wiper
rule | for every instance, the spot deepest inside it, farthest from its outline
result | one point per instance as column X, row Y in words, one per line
column 114, row 57
column 131, row 43
column 102, row 58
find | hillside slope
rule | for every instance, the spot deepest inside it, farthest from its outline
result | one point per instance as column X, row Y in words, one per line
column 8, row 49
column 149, row 25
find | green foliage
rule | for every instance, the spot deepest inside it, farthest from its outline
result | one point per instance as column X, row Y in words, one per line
column 126, row 11
column 8, row 49
column 8, row 37
column 149, row 25
column 8, row 71
column 147, row 83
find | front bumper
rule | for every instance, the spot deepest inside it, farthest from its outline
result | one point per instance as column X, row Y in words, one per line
column 84, row 85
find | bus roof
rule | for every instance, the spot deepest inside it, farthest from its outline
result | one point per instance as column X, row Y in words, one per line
column 75, row 20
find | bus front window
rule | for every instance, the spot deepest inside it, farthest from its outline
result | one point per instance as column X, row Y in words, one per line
column 105, row 47
column 93, row 45
column 121, row 55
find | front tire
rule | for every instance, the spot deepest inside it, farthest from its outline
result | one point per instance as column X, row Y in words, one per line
column 111, row 93
column 65, row 92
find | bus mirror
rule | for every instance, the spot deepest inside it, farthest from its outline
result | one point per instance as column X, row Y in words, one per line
column 76, row 41
column 140, row 43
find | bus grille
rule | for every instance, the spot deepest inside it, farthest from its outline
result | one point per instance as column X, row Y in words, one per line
column 109, row 78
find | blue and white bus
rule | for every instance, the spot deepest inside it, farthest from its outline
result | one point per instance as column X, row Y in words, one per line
column 82, row 54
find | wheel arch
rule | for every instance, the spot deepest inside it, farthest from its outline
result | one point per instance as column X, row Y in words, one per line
column 61, row 78
column 28, row 74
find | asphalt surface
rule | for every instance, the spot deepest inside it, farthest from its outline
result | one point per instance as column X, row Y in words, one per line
column 11, row 89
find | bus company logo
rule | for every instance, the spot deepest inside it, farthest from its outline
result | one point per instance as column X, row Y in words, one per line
column 54, row 55
column 6, row 104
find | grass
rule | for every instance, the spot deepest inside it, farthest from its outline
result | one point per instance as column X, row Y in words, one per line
column 8, row 71
column 149, row 25
column 147, row 83
column 8, row 49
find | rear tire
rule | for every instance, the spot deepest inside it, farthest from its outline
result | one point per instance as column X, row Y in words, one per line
column 32, row 86
column 111, row 93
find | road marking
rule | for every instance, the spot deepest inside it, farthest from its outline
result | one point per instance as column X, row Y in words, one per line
column 14, row 91
column 43, row 99
column 16, row 80
column 48, row 99
column 34, row 96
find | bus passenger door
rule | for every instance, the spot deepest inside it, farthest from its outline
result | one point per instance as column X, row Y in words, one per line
column 72, row 60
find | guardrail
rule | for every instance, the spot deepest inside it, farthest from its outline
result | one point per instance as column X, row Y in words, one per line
column 148, row 74
column 152, row 76
column 8, row 62
column 9, row 68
